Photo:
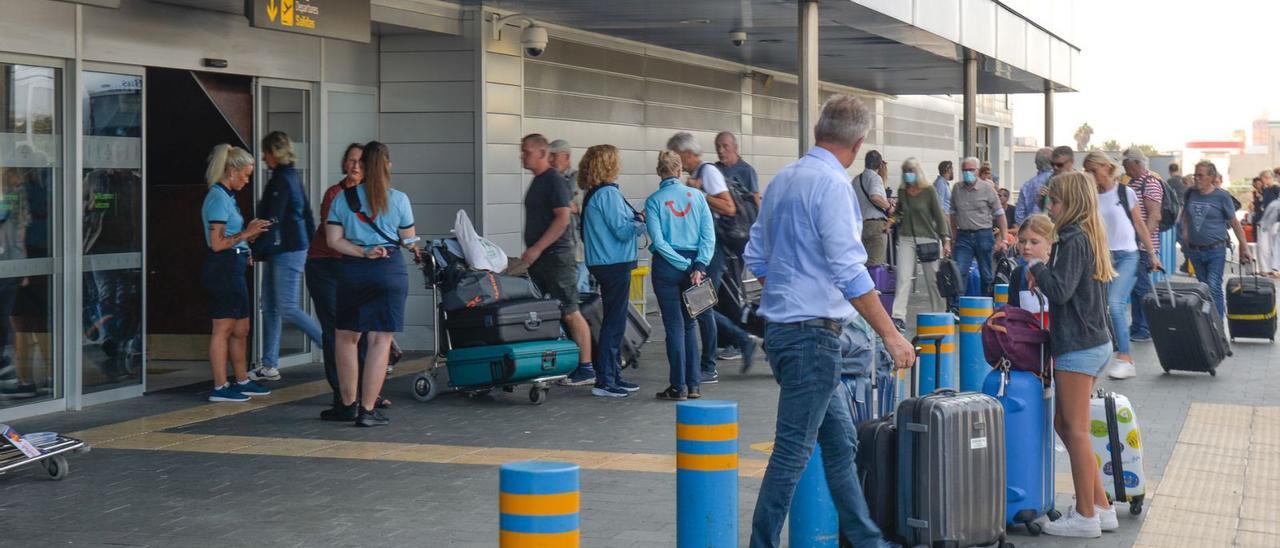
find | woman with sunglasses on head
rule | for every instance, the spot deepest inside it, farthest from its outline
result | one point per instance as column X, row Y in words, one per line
column 369, row 224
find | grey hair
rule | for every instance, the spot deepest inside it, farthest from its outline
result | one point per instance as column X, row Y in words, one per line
column 1135, row 155
column 844, row 120
column 1044, row 159
column 225, row 157
column 560, row 145
column 729, row 134
column 684, row 142
column 977, row 164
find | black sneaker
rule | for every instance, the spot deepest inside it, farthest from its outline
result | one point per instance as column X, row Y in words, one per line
column 371, row 418
column 339, row 413
column 695, row 393
column 900, row 325
column 710, row 378
column 672, row 394
column 749, row 353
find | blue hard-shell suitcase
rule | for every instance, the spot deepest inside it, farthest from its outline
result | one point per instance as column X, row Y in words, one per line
column 1028, row 420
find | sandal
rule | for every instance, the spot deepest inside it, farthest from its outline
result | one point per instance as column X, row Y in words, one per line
column 383, row 403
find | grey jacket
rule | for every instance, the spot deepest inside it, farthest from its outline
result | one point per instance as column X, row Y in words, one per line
column 1077, row 301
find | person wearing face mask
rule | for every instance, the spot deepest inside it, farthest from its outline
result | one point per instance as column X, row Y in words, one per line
column 975, row 208
column 921, row 222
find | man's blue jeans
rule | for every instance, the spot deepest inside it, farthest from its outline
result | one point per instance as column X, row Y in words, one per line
column 682, row 340
column 813, row 408
column 1118, row 294
column 708, row 321
column 975, row 244
column 1141, row 287
column 1209, row 264
column 281, row 294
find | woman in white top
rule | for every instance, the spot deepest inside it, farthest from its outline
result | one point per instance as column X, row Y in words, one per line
column 1125, row 233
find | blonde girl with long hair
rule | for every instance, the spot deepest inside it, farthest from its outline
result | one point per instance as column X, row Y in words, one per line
column 1073, row 279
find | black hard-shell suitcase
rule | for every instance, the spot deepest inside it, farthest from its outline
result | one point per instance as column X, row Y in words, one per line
column 1251, row 307
column 877, row 458
column 951, row 469
column 1185, row 327
column 636, row 335
column 504, row 323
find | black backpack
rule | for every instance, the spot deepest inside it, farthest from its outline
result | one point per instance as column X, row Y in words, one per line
column 950, row 280
column 733, row 231
column 1170, row 206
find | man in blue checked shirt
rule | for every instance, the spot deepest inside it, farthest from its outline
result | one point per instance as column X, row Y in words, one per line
column 805, row 252
column 1030, row 199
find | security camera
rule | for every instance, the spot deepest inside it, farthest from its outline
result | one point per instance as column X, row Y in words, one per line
column 738, row 38
column 534, row 40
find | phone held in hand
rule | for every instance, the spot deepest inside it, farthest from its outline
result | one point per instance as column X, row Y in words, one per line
column 700, row 298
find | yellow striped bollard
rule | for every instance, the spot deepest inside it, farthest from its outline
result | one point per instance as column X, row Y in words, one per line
column 538, row 505
column 707, row 474
column 974, row 311
column 1002, row 295
column 933, row 365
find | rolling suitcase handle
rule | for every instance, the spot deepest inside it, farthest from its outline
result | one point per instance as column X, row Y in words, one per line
column 937, row 361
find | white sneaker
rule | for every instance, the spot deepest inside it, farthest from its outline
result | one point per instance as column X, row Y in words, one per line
column 1122, row 370
column 264, row 373
column 1074, row 525
column 1107, row 518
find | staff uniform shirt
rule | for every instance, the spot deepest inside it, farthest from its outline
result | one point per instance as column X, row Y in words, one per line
column 1210, row 216
column 220, row 209
column 319, row 245
column 806, row 243
column 743, row 173
column 397, row 216
column 1148, row 187
column 678, row 219
column 977, row 206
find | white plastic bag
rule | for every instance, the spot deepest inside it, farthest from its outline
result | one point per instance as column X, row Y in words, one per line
column 480, row 253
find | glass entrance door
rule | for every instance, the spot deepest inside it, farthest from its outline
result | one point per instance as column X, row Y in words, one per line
column 287, row 107
column 112, row 213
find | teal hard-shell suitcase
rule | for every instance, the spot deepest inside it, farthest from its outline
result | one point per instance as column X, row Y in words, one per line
column 501, row 364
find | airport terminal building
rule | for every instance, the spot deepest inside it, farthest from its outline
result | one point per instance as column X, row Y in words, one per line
column 108, row 109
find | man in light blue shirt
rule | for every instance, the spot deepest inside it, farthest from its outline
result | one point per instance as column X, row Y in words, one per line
column 804, row 249
column 943, row 183
column 1029, row 198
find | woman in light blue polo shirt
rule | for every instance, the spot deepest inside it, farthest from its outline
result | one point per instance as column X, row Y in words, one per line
column 684, row 239
column 223, row 274
column 369, row 224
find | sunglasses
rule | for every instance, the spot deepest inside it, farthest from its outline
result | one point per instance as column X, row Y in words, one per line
column 1059, row 164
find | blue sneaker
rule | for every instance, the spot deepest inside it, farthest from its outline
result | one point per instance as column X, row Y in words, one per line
column 581, row 376
column 251, row 388
column 228, row 393
column 1140, row 336
column 710, row 378
column 609, row 392
column 628, row 386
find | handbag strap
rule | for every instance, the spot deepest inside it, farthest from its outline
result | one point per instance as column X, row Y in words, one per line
column 353, row 202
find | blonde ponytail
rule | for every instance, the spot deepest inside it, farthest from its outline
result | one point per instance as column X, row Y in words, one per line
column 225, row 157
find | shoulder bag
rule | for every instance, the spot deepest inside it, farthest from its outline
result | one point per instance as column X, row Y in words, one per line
column 353, row 202
column 926, row 252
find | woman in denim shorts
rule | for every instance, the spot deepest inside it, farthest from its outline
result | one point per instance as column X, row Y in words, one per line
column 1073, row 278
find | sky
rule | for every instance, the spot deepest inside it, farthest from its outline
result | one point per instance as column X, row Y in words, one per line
column 1164, row 72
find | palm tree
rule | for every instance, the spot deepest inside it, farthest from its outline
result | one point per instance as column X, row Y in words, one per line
column 1083, row 133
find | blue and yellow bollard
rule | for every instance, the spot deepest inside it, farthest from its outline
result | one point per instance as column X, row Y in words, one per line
column 538, row 504
column 974, row 311
column 707, row 473
column 813, row 522
column 1002, row 295
column 937, row 323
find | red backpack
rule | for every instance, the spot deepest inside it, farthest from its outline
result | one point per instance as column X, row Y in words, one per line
column 1014, row 338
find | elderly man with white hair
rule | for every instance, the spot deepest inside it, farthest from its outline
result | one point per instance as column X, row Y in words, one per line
column 562, row 161
column 975, row 208
column 1150, row 191
column 815, row 280
column 1030, row 201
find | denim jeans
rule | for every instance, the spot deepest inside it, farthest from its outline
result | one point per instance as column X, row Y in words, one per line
column 975, row 244
column 1118, row 294
column 280, row 298
column 682, row 340
column 1209, row 264
column 615, row 292
column 584, row 280
column 322, row 284
column 708, row 322
column 813, row 408
column 1141, row 287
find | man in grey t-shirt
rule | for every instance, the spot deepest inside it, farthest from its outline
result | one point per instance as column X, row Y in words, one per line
column 562, row 161
column 975, row 208
column 868, row 187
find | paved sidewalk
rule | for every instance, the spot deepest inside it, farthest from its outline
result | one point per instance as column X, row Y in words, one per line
column 169, row 469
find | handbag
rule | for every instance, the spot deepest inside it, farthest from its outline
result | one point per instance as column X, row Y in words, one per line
column 699, row 298
column 926, row 252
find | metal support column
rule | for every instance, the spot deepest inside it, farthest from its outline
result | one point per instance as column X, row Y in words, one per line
column 808, row 64
column 1048, row 113
column 970, row 103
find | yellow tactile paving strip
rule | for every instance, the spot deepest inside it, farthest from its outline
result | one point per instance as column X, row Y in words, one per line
column 147, row 434
column 1222, row 484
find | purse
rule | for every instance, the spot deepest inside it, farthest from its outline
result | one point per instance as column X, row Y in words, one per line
column 699, row 298
column 926, row 252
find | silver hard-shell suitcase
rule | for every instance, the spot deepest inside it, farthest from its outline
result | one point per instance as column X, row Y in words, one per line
column 951, row 468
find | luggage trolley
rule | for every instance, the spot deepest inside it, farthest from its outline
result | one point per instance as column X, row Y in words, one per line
column 437, row 267
column 52, row 455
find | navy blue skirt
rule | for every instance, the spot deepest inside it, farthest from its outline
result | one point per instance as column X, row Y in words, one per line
column 223, row 276
column 371, row 293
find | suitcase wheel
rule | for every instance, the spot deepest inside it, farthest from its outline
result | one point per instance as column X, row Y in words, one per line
column 425, row 387
column 1135, row 506
column 538, row 395
column 1054, row 514
column 1213, row 372
column 1034, row 528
